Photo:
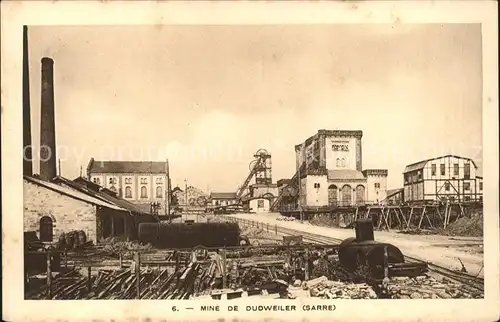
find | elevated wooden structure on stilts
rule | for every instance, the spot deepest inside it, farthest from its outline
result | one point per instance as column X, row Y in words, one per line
column 404, row 217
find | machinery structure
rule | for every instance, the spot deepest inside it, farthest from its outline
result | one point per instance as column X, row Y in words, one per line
column 260, row 168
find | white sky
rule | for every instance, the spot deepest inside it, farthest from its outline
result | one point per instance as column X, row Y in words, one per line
column 207, row 97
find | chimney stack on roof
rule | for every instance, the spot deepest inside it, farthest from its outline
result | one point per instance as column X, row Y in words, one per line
column 48, row 169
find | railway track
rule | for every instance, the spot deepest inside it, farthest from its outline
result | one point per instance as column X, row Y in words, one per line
column 467, row 279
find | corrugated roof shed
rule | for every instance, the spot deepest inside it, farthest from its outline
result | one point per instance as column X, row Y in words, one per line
column 73, row 193
column 345, row 175
column 127, row 167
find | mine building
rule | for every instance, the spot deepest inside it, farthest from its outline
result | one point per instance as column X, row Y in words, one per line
column 144, row 183
column 191, row 198
column 447, row 178
column 329, row 165
column 223, row 199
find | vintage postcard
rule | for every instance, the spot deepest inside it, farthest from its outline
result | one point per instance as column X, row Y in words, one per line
column 287, row 160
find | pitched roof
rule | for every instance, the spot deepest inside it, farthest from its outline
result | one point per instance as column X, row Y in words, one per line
column 127, row 167
column 223, row 195
column 73, row 193
column 421, row 164
column 345, row 175
column 79, row 185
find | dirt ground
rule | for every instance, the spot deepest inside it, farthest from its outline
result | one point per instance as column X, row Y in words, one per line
column 445, row 251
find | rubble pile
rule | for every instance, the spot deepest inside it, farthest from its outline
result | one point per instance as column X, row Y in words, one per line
column 326, row 289
column 427, row 287
column 465, row 226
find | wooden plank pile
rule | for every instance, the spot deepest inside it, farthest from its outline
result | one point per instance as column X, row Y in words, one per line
column 123, row 284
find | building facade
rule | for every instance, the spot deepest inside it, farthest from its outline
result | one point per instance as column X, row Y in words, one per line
column 142, row 183
column 218, row 199
column 446, row 178
column 332, row 176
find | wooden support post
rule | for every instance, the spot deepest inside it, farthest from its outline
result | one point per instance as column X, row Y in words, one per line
column 386, row 220
column 409, row 219
column 421, row 218
column 89, row 279
column 306, row 268
column 397, row 217
column 137, row 274
column 403, row 217
column 49, row 277
column 446, row 214
column 224, row 268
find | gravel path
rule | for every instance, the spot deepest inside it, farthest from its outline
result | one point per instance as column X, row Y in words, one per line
column 439, row 250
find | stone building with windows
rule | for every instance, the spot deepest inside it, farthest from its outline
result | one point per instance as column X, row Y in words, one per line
column 446, row 178
column 143, row 183
column 331, row 174
column 61, row 205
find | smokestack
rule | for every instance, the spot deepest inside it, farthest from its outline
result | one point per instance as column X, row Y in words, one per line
column 27, row 151
column 48, row 169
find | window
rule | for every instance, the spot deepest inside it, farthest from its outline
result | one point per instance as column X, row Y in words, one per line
column 128, row 180
column 377, row 185
column 455, row 169
column 159, row 192
column 442, row 169
column 467, row 186
column 144, row 180
column 260, row 203
column 406, row 179
column 467, row 198
column 144, row 192
column 433, row 169
column 112, row 188
column 480, row 186
column 420, row 175
column 467, row 171
column 159, row 180
column 338, row 162
column 46, row 229
column 316, row 185
column 97, row 180
column 447, row 186
column 128, row 192
column 343, row 163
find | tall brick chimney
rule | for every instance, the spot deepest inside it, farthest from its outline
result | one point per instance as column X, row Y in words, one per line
column 27, row 150
column 48, row 157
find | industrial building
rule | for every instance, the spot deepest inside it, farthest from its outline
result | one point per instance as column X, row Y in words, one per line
column 446, row 178
column 223, row 199
column 329, row 169
column 145, row 184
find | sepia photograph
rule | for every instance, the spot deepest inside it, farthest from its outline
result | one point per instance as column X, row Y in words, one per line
column 133, row 195
column 227, row 163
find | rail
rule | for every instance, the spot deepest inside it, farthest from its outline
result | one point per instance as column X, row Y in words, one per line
column 475, row 282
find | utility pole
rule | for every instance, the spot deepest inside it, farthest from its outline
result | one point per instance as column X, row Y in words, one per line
column 186, row 195
column 167, row 193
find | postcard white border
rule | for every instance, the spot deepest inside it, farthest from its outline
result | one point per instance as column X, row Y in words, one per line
column 14, row 14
